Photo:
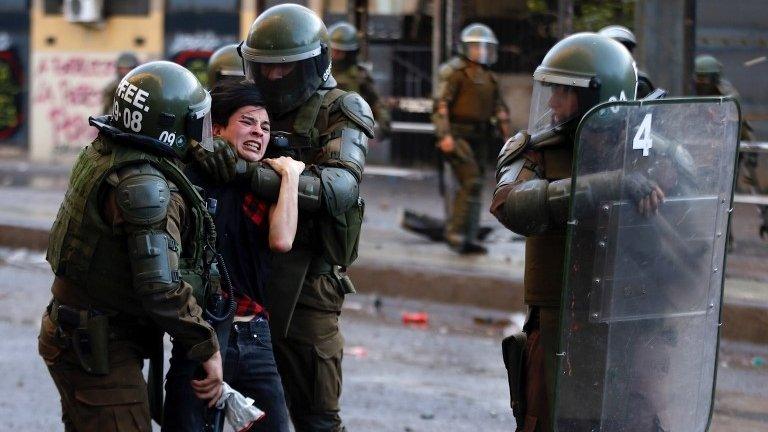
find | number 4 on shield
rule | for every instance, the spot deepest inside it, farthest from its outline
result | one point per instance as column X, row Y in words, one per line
column 643, row 140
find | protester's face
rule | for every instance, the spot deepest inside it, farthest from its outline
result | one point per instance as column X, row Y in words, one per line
column 276, row 71
column 247, row 131
column 564, row 103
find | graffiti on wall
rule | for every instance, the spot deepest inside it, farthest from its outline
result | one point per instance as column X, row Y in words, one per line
column 11, row 82
column 67, row 89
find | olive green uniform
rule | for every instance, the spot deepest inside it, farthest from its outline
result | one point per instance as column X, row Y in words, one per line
column 356, row 78
column 470, row 95
column 544, row 257
column 304, row 310
column 112, row 299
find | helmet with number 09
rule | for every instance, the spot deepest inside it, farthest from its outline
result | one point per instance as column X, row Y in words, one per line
column 577, row 73
column 166, row 106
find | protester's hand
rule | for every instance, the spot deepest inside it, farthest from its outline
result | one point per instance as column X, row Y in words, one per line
column 285, row 166
column 218, row 164
column 446, row 144
column 209, row 388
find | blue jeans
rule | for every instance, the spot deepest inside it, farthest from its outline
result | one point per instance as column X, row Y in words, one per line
column 249, row 367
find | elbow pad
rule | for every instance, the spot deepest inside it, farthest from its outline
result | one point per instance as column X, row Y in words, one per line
column 348, row 147
column 340, row 190
column 526, row 210
column 142, row 194
column 154, row 261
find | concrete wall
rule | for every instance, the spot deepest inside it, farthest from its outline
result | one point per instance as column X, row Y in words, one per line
column 70, row 66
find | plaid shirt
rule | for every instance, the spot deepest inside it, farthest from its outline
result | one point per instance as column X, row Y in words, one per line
column 257, row 211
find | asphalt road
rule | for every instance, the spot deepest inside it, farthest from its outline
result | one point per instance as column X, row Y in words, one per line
column 445, row 376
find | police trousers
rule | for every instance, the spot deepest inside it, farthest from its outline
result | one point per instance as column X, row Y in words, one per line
column 309, row 356
column 115, row 402
column 467, row 163
column 539, row 363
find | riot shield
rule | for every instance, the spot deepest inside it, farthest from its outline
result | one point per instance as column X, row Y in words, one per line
column 639, row 325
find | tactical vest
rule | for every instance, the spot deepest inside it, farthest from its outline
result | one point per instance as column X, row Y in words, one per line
column 91, row 255
column 348, row 79
column 475, row 100
column 545, row 253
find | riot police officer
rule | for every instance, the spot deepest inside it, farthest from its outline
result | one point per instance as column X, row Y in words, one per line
column 709, row 81
column 287, row 56
column 127, row 249
column 224, row 63
column 125, row 62
column 351, row 75
column 531, row 199
column 468, row 106
column 625, row 37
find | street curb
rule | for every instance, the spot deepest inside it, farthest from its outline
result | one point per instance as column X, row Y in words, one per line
column 742, row 320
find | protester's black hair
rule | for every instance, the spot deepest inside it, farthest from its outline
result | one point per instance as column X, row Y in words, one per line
column 229, row 96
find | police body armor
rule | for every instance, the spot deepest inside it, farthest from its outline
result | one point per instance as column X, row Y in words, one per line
column 640, row 317
column 474, row 105
column 94, row 259
column 324, row 240
column 545, row 252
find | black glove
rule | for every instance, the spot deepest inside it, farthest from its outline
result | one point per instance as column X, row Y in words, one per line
column 637, row 186
column 219, row 164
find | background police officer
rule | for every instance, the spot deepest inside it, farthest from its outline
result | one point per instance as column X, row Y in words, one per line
column 352, row 76
column 224, row 63
column 129, row 230
column 125, row 62
column 467, row 107
column 533, row 175
column 625, row 37
column 710, row 81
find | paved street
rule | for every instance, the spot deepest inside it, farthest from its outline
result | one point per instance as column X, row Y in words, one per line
column 446, row 376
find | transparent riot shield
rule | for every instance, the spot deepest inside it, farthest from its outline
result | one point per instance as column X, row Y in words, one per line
column 640, row 314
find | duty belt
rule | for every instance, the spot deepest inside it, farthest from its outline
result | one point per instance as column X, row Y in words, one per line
column 69, row 318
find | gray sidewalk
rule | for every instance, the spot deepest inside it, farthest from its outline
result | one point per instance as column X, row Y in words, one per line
column 396, row 263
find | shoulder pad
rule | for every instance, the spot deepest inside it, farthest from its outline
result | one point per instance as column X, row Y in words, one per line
column 358, row 110
column 143, row 194
column 446, row 69
column 512, row 148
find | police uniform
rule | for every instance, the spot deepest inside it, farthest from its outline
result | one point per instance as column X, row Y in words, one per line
column 123, row 211
column 327, row 129
column 470, row 95
column 356, row 78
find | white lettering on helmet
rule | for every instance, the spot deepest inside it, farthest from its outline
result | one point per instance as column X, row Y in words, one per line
column 121, row 88
column 129, row 93
column 622, row 97
column 138, row 101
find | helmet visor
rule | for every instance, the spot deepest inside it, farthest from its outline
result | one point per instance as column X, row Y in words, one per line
column 481, row 52
column 199, row 124
column 286, row 85
column 554, row 105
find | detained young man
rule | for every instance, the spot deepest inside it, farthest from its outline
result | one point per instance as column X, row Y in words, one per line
column 248, row 231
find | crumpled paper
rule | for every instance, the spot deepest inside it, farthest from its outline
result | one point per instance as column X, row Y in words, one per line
column 238, row 409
